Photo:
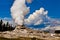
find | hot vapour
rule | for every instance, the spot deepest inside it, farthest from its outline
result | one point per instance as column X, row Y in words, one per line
column 36, row 17
column 19, row 10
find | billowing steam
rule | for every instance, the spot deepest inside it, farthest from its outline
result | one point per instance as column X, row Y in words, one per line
column 19, row 10
column 37, row 17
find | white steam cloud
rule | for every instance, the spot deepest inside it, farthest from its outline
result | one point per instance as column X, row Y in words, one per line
column 37, row 17
column 19, row 10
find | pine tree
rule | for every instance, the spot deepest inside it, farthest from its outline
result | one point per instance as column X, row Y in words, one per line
column 7, row 24
column 4, row 28
column 1, row 24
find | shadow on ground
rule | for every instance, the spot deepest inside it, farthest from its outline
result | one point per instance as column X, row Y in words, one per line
column 21, row 38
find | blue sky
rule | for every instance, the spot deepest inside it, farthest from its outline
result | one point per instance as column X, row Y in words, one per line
column 53, row 7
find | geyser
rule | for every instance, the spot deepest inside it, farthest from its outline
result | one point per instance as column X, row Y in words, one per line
column 19, row 10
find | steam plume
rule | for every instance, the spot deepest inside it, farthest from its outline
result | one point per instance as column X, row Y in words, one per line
column 37, row 17
column 19, row 10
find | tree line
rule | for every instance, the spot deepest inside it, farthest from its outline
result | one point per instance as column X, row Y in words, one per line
column 5, row 27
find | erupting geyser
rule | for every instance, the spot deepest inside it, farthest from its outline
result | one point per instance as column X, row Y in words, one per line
column 19, row 10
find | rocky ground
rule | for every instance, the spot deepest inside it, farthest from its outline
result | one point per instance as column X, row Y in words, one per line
column 24, row 33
